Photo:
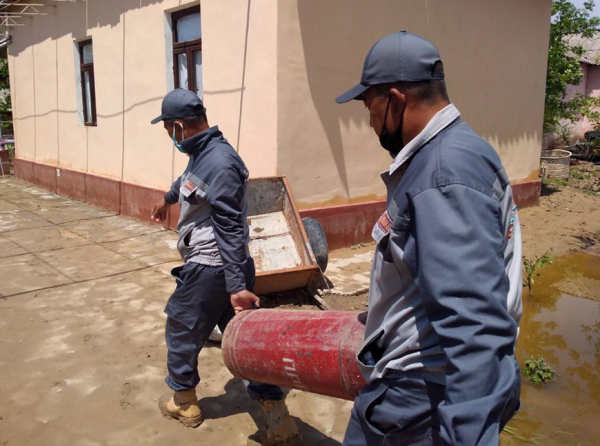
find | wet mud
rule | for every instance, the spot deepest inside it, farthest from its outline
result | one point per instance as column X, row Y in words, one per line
column 561, row 323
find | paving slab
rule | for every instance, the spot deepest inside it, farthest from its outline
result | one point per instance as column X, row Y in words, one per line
column 7, row 206
column 151, row 249
column 32, row 197
column 21, row 219
column 46, row 239
column 110, row 229
column 68, row 212
column 27, row 273
column 88, row 262
column 95, row 352
column 84, row 363
column 9, row 248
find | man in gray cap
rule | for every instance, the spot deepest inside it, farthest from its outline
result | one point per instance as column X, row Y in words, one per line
column 217, row 278
column 445, row 294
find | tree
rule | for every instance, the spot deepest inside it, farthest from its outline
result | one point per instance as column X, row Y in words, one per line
column 563, row 64
column 4, row 79
column 5, row 100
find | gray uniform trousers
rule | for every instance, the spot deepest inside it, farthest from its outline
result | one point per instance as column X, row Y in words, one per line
column 199, row 303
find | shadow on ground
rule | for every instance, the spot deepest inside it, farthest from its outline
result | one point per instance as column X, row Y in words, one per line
column 236, row 401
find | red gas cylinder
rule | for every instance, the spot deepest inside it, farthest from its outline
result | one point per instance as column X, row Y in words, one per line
column 313, row 351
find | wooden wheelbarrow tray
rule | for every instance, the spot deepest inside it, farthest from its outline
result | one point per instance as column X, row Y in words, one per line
column 278, row 242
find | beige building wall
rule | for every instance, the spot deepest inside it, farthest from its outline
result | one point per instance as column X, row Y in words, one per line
column 271, row 72
column 45, row 94
column 132, row 67
column 148, row 156
column 239, row 50
column 495, row 57
column 23, row 97
column 72, row 135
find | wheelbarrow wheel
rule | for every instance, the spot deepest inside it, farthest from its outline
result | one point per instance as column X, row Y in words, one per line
column 318, row 241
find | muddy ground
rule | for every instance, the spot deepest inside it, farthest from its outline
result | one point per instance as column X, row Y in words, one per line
column 82, row 354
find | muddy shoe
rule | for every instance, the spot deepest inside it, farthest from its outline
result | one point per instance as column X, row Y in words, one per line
column 182, row 406
column 276, row 428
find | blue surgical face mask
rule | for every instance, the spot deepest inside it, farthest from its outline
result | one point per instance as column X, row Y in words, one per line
column 177, row 143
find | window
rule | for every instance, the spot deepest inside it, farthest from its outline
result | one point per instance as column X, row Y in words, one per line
column 88, row 90
column 187, row 49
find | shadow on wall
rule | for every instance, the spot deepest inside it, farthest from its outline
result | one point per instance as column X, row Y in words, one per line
column 100, row 115
column 498, row 90
column 62, row 24
column 335, row 42
column 70, row 20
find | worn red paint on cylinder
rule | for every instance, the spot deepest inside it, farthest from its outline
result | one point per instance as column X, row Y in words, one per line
column 313, row 351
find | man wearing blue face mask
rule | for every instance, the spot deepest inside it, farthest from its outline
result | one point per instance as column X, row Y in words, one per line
column 217, row 278
column 445, row 294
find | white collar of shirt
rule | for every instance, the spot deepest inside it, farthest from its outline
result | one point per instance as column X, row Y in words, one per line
column 439, row 122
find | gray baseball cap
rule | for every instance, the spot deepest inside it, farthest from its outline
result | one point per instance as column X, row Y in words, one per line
column 399, row 57
column 180, row 103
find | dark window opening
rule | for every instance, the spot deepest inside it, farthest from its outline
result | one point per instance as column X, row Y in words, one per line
column 88, row 89
column 187, row 49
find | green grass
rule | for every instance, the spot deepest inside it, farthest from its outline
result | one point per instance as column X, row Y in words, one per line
column 550, row 182
column 579, row 175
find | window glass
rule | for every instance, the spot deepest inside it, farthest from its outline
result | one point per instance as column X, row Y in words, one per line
column 198, row 63
column 189, row 28
column 88, row 96
column 182, row 65
column 88, row 53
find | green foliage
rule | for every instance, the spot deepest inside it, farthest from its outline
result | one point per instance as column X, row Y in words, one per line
column 568, row 20
column 539, row 371
column 550, row 182
column 530, row 266
column 5, row 103
column 4, row 79
column 579, row 175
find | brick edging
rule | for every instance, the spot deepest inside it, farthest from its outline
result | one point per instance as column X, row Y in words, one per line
column 344, row 225
column 120, row 197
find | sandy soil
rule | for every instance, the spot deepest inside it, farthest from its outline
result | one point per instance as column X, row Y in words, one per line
column 567, row 219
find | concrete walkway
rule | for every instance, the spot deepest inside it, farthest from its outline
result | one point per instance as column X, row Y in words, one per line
column 82, row 354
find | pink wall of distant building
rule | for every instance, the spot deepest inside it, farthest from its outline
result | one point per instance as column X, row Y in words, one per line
column 590, row 85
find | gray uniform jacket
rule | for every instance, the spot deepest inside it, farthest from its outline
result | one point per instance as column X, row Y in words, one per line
column 445, row 295
column 214, row 208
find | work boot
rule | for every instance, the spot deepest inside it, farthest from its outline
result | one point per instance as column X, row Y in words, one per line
column 182, row 406
column 276, row 426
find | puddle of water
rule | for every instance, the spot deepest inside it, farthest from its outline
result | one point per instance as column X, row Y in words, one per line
column 562, row 324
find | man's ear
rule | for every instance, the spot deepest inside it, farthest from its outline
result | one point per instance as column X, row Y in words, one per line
column 398, row 102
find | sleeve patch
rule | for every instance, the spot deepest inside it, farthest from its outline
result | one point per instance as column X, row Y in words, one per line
column 188, row 188
column 385, row 222
column 382, row 227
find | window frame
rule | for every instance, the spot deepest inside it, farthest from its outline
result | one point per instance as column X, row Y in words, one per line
column 87, row 68
column 188, row 48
